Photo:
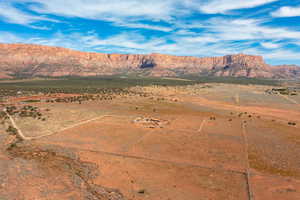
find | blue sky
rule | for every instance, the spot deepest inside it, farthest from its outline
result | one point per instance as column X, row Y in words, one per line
column 270, row 28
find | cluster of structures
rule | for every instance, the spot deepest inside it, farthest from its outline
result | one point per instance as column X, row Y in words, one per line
column 150, row 122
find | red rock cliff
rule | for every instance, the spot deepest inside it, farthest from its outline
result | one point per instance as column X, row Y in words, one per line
column 36, row 60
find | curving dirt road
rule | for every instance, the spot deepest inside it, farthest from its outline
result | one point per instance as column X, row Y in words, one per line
column 23, row 137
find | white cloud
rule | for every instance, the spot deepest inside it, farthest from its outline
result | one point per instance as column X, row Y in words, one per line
column 143, row 26
column 222, row 6
column 137, row 9
column 6, row 37
column 282, row 54
column 121, row 13
column 270, row 45
column 124, row 42
column 199, row 39
column 129, row 13
column 185, row 32
column 297, row 43
column 130, row 42
column 212, row 37
column 245, row 29
column 13, row 15
column 107, row 10
column 287, row 12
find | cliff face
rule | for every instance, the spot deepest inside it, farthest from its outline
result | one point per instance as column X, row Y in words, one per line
column 287, row 71
column 36, row 60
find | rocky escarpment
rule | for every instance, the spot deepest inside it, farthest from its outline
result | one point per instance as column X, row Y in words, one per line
column 286, row 71
column 37, row 60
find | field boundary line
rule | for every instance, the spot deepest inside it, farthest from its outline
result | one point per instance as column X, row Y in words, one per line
column 23, row 137
column 289, row 99
column 237, row 99
column 161, row 161
column 130, row 145
column 201, row 125
column 250, row 192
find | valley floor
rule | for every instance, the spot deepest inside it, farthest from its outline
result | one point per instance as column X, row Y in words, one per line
column 206, row 141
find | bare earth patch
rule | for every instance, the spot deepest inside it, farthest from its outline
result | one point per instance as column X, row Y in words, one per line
column 209, row 141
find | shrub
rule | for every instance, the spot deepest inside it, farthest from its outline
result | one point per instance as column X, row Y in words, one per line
column 11, row 130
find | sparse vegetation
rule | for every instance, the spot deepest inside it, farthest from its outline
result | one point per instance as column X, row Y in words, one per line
column 25, row 111
column 31, row 101
column 11, row 130
column 93, row 85
column 283, row 91
column 82, row 85
column 3, row 117
column 212, row 118
column 292, row 123
column 63, row 104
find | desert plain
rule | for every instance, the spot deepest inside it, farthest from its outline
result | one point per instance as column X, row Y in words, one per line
column 205, row 141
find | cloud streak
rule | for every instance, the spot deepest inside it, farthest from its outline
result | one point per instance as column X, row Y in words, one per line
column 130, row 42
column 287, row 12
column 180, row 27
column 13, row 15
column 223, row 6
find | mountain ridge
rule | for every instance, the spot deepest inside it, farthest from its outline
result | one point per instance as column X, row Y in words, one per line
column 38, row 60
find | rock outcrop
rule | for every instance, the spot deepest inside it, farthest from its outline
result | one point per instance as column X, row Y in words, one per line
column 37, row 60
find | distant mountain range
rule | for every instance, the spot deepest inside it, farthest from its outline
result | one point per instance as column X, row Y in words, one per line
column 25, row 60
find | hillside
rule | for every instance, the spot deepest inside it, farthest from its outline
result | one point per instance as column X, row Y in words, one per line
column 36, row 60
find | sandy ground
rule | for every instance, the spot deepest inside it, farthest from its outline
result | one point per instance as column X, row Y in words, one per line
column 204, row 151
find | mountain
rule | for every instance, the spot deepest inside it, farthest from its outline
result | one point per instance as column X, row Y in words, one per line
column 36, row 60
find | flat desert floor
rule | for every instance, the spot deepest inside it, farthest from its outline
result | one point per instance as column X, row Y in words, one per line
column 200, row 142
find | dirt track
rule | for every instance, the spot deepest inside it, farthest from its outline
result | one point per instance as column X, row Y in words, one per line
column 207, row 150
column 23, row 137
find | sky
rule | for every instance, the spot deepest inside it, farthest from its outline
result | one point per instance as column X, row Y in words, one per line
column 270, row 28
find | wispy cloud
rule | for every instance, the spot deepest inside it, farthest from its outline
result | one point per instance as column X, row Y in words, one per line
column 131, row 42
column 180, row 27
column 277, row 54
column 222, row 6
column 270, row 45
column 143, row 26
column 120, row 13
column 287, row 11
column 127, row 13
column 6, row 37
column 108, row 10
column 139, row 9
column 245, row 29
column 13, row 15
